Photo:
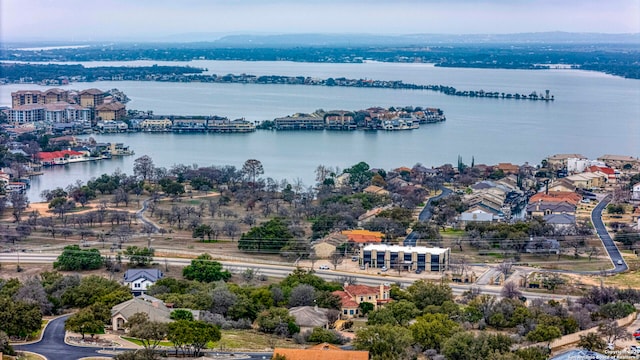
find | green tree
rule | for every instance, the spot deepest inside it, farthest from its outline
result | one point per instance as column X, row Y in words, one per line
column 181, row 314
column 138, row 256
column 84, row 322
column 465, row 346
column 18, row 318
column 384, row 342
column 366, row 307
column 359, row 175
column 432, row 330
column 93, row 289
column 201, row 231
column 395, row 313
column 150, row 333
column 321, row 335
column 592, row 342
column 544, row 333
column 192, row 336
column 277, row 321
column 75, row 259
column 424, row 293
column 204, row 269
column 269, row 237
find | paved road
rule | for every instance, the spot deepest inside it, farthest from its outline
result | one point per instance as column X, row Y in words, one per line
column 613, row 251
column 282, row 271
column 53, row 347
column 425, row 215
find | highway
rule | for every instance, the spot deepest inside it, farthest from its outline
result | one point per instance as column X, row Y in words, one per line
column 281, row 271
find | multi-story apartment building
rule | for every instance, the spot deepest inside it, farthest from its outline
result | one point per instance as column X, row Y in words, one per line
column 91, row 98
column 28, row 113
column 59, row 112
column 27, row 97
column 112, row 111
column 56, row 95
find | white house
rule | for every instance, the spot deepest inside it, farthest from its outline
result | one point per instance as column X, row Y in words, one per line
column 140, row 280
column 635, row 192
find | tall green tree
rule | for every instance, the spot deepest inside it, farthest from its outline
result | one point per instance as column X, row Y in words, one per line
column 75, row 259
column 84, row 322
column 150, row 333
column 139, row 256
column 424, row 293
column 18, row 318
column 192, row 336
column 269, row 237
column 205, row 269
column 432, row 330
column 384, row 342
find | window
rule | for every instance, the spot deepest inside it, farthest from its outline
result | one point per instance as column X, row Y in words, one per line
column 361, row 298
column 369, row 297
column 137, row 285
column 351, row 312
column 345, row 311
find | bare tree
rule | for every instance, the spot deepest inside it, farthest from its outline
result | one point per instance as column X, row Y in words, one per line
column 505, row 268
column 19, row 202
column 510, row 290
column 230, row 228
column 612, row 331
column 335, row 259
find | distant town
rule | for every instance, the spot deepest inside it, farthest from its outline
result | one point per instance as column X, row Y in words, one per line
column 55, row 75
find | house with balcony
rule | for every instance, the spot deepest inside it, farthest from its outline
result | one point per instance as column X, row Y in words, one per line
column 353, row 295
column 140, row 280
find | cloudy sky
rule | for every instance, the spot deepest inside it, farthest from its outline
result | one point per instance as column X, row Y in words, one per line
column 79, row 20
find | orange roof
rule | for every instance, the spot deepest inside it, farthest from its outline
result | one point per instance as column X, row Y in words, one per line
column 402, row 168
column 321, row 352
column 606, row 170
column 56, row 154
column 363, row 236
column 357, row 290
column 345, row 299
column 557, row 196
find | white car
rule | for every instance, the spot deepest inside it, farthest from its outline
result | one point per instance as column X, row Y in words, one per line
column 324, row 267
column 619, row 262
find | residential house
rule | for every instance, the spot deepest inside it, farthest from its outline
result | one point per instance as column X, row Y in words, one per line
column 559, row 161
column 363, row 236
column 635, row 192
column 588, row 180
column 309, row 317
column 620, row 161
column 140, row 280
column 542, row 208
column 375, row 190
column 59, row 157
column 556, row 196
column 321, row 352
column 153, row 307
column 560, row 221
column 612, row 174
column 299, row 122
column 155, row 124
column 328, row 245
column 508, row 168
column 563, row 185
column 476, row 215
column 353, row 295
column 339, row 120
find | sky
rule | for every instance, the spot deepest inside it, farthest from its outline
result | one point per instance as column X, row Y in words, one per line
column 157, row 20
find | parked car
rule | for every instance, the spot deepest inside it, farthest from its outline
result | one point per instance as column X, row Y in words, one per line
column 634, row 349
column 354, row 258
column 619, row 262
column 636, row 334
column 324, row 267
column 418, row 271
column 383, row 269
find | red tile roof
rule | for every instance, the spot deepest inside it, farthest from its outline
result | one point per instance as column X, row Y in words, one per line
column 357, row 290
column 56, row 154
column 345, row 299
column 322, row 352
column 556, row 196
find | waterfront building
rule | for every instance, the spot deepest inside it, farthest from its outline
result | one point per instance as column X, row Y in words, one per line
column 154, row 124
column 299, row 122
column 339, row 120
column 56, row 95
column 27, row 97
column 59, row 157
column 111, row 111
column 112, row 126
column 28, row 113
column 189, row 124
column 91, row 98
column 230, row 126
column 405, row 257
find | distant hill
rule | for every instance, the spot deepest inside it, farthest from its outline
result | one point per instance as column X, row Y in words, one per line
column 421, row 39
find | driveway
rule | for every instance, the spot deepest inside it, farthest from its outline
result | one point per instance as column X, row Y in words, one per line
column 607, row 241
column 53, row 347
column 425, row 215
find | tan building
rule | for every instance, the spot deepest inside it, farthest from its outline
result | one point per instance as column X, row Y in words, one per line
column 559, row 161
column 27, row 97
column 91, row 98
column 112, row 111
column 620, row 161
column 56, row 95
column 588, row 180
column 155, row 124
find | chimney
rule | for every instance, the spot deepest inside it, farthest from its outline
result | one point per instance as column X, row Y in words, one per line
column 381, row 292
column 345, row 285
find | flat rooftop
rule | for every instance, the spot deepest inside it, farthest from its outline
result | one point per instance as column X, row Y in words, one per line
column 406, row 249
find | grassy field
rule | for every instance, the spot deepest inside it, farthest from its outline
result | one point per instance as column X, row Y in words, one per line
column 251, row 340
column 23, row 356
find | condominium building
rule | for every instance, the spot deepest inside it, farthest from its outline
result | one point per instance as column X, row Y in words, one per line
column 112, row 111
column 91, row 98
column 27, row 97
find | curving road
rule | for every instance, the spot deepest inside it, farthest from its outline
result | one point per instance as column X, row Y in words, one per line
column 425, row 215
column 52, row 345
column 614, row 253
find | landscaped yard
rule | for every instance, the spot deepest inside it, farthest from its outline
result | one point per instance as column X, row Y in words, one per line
column 251, row 340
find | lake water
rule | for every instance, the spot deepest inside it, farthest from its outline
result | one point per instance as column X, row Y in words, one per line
column 594, row 114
